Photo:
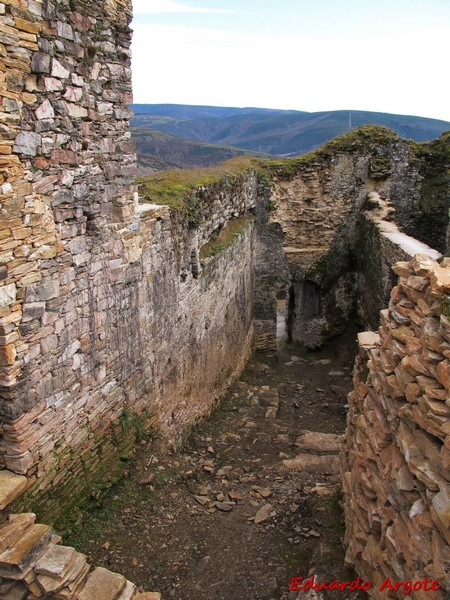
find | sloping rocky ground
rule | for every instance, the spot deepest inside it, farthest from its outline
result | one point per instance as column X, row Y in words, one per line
column 251, row 501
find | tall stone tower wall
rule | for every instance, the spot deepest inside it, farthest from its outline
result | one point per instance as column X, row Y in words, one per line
column 103, row 304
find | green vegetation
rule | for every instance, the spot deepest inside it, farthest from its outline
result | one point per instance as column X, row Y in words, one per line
column 445, row 306
column 181, row 189
column 226, row 237
column 155, row 148
column 369, row 139
column 129, row 419
column 78, row 530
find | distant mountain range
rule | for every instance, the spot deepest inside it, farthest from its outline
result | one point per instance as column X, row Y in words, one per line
column 158, row 151
column 194, row 132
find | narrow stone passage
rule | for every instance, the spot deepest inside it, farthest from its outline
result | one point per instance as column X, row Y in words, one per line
column 252, row 499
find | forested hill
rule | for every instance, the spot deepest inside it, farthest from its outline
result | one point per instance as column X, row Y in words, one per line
column 280, row 132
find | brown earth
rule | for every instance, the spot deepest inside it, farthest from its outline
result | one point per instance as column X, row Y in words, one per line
column 225, row 518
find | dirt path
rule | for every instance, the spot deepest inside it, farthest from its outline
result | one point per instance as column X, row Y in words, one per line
column 226, row 518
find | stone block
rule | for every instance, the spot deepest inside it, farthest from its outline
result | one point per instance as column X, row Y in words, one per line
column 27, row 142
column 55, row 561
column 40, row 63
column 11, row 486
column 8, row 294
column 441, row 503
column 14, row 528
column 103, row 585
column 368, row 339
column 45, row 111
column 320, row 465
column 8, row 354
column 15, row 560
column 58, row 70
column 313, row 441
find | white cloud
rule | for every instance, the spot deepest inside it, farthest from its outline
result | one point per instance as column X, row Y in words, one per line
column 171, row 6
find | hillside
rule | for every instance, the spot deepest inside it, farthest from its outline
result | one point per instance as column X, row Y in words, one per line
column 157, row 151
column 280, row 132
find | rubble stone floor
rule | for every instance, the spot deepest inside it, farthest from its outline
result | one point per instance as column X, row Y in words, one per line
column 231, row 516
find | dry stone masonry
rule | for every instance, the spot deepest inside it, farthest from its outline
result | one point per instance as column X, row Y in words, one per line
column 34, row 565
column 116, row 315
column 396, row 460
column 108, row 321
column 327, row 206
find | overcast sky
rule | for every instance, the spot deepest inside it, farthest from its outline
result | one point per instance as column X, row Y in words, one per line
column 313, row 55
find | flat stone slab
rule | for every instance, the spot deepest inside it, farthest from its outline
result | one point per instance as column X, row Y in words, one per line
column 148, row 596
column 368, row 338
column 18, row 558
column 11, row 486
column 55, row 561
column 103, row 585
column 320, row 465
column 14, row 529
column 128, row 592
column 315, row 441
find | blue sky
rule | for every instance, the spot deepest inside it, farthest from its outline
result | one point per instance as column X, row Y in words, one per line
column 313, row 55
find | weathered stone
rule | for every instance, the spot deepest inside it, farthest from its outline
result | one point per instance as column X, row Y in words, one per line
column 40, row 62
column 8, row 294
column 18, row 558
column 27, row 142
column 368, row 339
column 314, row 441
column 441, row 503
column 321, row 465
column 264, row 514
column 102, row 585
column 58, row 70
column 11, row 485
column 45, row 111
column 417, row 283
column 55, row 561
column 14, row 528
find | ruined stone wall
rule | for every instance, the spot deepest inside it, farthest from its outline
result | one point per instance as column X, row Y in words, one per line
column 33, row 565
column 395, row 463
column 321, row 201
column 104, row 304
column 380, row 243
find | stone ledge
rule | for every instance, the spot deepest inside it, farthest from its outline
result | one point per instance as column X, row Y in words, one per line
column 11, row 486
column 32, row 562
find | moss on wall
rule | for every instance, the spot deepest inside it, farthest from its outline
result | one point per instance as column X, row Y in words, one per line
column 181, row 189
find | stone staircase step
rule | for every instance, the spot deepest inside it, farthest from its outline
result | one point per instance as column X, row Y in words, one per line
column 34, row 567
column 11, row 486
column 74, row 579
column 103, row 585
column 14, row 529
column 314, row 441
column 56, row 561
column 310, row 463
column 14, row 561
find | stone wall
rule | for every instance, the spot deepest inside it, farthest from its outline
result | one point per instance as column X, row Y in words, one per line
column 395, row 463
column 379, row 245
column 321, row 204
column 109, row 321
column 33, row 565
